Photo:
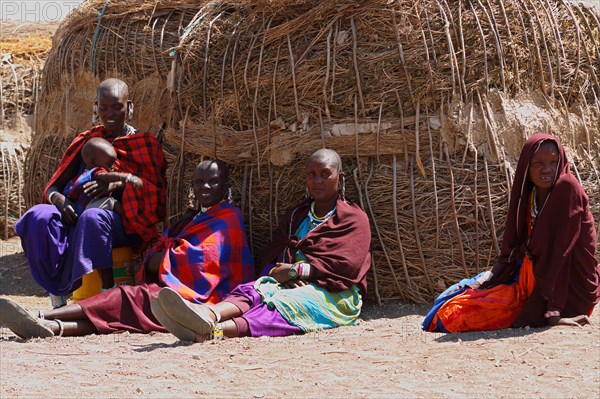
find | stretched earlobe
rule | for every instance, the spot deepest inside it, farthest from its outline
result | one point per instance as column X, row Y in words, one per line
column 129, row 109
column 95, row 114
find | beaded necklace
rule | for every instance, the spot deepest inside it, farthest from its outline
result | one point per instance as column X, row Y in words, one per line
column 127, row 130
column 533, row 209
column 316, row 220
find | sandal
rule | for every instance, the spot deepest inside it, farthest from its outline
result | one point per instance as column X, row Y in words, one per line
column 193, row 316
column 181, row 332
column 20, row 322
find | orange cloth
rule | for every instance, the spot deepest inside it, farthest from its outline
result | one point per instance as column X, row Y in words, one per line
column 492, row 309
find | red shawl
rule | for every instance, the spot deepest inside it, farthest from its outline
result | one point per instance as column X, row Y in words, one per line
column 338, row 249
column 561, row 245
column 207, row 258
column 141, row 155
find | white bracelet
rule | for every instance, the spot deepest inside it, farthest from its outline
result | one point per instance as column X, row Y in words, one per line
column 303, row 269
column 50, row 196
column 129, row 178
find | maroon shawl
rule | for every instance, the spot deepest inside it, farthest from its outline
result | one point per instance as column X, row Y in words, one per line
column 338, row 249
column 561, row 245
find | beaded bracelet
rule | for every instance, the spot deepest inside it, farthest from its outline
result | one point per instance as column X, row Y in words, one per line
column 552, row 313
column 303, row 269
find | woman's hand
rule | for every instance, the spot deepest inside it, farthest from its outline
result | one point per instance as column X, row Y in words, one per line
column 66, row 207
column 281, row 273
column 295, row 283
column 97, row 188
column 136, row 181
column 577, row 321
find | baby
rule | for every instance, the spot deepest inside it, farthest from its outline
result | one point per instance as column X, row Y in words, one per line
column 99, row 156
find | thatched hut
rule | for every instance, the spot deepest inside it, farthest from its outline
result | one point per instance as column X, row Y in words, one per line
column 23, row 50
column 428, row 102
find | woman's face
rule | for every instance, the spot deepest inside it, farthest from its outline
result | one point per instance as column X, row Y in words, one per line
column 543, row 165
column 112, row 109
column 209, row 184
column 322, row 180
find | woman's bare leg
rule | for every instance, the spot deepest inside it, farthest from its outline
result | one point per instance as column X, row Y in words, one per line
column 227, row 311
column 65, row 313
column 71, row 328
column 230, row 329
column 74, row 321
column 106, row 275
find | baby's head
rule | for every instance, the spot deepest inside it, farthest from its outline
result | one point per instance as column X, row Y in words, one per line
column 97, row 152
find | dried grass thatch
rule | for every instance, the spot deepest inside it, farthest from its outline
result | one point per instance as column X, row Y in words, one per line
column 428, row 102
column 11, row 188
column 448, row 90
column 23, row 50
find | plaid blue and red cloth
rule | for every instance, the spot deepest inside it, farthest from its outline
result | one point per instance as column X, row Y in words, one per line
column 74, row 188
column 208, row 258
column 140, row 154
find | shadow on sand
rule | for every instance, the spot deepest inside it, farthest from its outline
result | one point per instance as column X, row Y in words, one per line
column 15, row 278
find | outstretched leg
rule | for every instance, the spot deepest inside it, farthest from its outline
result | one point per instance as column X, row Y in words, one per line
column 26, row 326
column 74, row 321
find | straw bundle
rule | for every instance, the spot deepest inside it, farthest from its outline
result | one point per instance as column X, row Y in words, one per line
column 248, row 64
column 23, row 50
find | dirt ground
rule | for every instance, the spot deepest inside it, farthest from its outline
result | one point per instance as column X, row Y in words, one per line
column 386, row 355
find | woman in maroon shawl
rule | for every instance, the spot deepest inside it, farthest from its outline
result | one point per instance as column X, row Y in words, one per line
column 319, row 260
column 547, row 273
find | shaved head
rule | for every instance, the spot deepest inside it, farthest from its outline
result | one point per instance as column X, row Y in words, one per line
column 115, row 88
column 221, row 166
column 328, row 157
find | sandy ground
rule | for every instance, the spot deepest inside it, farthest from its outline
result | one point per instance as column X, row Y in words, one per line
column 386, row 355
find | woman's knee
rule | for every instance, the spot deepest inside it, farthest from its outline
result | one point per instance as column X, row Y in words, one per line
column 95, row 219
column 93, row 213
column 96, row 214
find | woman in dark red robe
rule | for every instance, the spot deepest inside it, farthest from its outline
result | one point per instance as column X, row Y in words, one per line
column 547, row 273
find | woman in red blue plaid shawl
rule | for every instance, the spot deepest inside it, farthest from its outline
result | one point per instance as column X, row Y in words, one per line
column 202, row 257
column 62, row 246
